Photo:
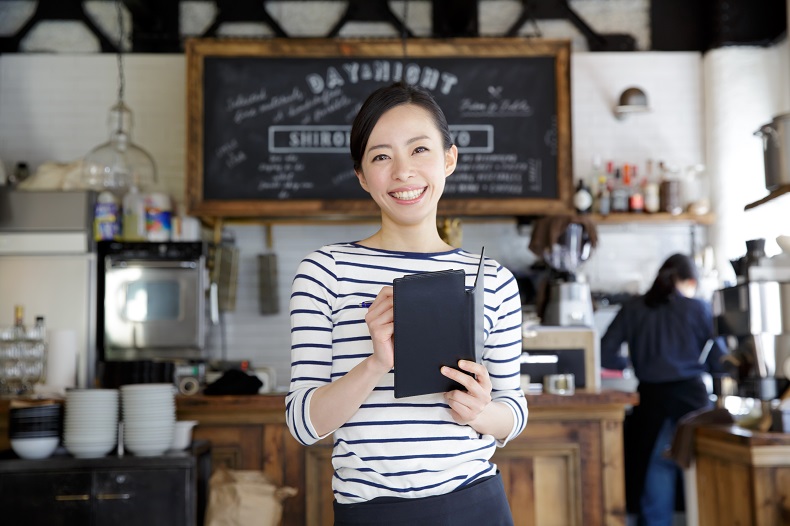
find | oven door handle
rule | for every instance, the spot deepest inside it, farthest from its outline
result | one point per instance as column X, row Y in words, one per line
column 127, row 263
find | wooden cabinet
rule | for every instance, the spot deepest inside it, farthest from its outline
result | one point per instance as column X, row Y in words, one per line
column 565, row 469
column 743, row 477
column 116, row 491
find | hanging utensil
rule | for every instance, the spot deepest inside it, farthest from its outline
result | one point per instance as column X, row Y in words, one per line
column 268, row 298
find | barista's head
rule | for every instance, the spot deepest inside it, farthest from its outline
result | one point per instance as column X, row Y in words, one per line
column 678, row 273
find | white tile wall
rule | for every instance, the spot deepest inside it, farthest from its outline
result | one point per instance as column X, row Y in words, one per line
column 672, row 131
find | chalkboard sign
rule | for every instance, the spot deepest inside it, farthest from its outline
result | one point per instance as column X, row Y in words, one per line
column 269, row 122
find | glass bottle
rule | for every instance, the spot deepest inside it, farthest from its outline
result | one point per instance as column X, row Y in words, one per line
column 652, row 198
column 669, row 191
column 636, row 199
column 19, row 331
column 619, row 193
column 40, row 328
column 604, row 198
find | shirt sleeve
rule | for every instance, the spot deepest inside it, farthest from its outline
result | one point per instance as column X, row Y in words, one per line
column 311, row 303
column 613, row 340
column 503, row 346
column 714, row 362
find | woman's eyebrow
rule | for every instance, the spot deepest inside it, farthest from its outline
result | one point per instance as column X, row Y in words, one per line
column 410, row 141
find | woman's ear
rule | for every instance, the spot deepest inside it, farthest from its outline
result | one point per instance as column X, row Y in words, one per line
column 450, row 160
column 362, row 181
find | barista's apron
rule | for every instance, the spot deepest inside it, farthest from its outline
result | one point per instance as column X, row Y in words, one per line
column 657, row 403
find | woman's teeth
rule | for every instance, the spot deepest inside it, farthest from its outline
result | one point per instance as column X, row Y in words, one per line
column 409, row 195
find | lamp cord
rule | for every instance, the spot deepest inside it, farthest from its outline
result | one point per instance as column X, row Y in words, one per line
column 121, row 78
column 404, row 28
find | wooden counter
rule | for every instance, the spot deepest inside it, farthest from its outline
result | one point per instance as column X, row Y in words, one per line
column 743, row 477
column 566, row 468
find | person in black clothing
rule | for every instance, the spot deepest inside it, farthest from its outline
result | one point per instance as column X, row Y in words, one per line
column 670, row 345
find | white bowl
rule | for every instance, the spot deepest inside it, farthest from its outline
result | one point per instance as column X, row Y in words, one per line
column 182, row 437
column 90, row 450
column 34, row 448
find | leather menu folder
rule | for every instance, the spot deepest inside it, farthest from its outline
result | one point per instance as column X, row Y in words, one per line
column 437, row 322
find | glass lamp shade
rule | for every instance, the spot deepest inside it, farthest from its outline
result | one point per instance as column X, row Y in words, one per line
column 119, row 164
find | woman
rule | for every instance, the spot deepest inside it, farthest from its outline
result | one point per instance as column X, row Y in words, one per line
column 669, row 335
column 417, row 460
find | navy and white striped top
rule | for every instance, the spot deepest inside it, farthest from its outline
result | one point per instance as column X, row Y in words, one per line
column 407, row 447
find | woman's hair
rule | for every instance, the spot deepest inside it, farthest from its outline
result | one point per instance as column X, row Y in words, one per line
column 384, row 99
column 677, row 267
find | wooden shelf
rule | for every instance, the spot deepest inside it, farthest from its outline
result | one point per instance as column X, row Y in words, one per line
column 661, row 217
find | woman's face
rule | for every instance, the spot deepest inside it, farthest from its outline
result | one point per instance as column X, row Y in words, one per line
column 404, row 165
column 687, row 287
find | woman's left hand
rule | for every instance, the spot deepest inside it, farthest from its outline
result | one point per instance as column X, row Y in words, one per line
column 466, row 406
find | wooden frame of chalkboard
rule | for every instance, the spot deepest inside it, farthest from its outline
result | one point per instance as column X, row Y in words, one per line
column 268, row 123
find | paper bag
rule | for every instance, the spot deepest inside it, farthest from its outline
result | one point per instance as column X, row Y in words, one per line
column 244, row 498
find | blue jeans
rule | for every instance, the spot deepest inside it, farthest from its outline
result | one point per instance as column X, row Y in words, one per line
column 658, row 497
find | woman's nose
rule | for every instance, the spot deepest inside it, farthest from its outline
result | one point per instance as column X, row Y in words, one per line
column 403, row 170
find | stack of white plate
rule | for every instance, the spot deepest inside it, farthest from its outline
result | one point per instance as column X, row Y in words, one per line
column 90, row 428
column 149, row 416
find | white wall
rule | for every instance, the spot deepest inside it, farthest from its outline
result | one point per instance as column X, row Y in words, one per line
column 671, row 131
column 744, row 88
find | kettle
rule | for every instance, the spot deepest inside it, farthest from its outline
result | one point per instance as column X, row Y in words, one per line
column 776, row 151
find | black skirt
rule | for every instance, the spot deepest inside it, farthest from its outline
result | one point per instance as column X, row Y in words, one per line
column 484, row 503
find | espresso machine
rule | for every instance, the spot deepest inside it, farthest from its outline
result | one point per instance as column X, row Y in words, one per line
column 754, row 318
column 569, row 301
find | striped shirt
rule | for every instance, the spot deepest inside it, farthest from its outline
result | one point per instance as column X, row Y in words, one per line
column 408, row 447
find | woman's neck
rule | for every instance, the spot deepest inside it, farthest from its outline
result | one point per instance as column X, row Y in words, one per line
column 408, row 239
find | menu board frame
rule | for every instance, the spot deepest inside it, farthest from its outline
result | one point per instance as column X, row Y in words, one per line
column 202, row 201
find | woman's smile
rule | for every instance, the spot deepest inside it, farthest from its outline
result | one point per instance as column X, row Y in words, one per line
column 410, row 195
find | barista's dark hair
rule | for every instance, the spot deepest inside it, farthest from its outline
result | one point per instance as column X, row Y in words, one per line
column 384, row 99
column 677, row 267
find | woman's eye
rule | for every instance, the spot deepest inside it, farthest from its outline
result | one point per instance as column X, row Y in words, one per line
column 420, row 149
column 379, row 157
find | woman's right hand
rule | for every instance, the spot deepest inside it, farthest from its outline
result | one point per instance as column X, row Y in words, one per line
column 379, row 319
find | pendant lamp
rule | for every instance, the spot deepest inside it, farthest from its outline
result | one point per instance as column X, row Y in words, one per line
column 119, row 164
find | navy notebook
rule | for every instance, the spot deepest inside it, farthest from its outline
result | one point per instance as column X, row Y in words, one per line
column 437, row 322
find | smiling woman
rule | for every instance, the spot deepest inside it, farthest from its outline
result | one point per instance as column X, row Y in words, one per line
column 342, row 326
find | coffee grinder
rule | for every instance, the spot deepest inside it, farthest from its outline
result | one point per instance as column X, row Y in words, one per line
column 568, row 300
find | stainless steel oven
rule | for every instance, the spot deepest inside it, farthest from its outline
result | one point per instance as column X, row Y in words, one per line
column 152, row 300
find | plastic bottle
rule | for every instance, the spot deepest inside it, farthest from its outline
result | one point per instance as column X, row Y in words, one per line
column 134, row 227
column 106, row 217
column 158, row 215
